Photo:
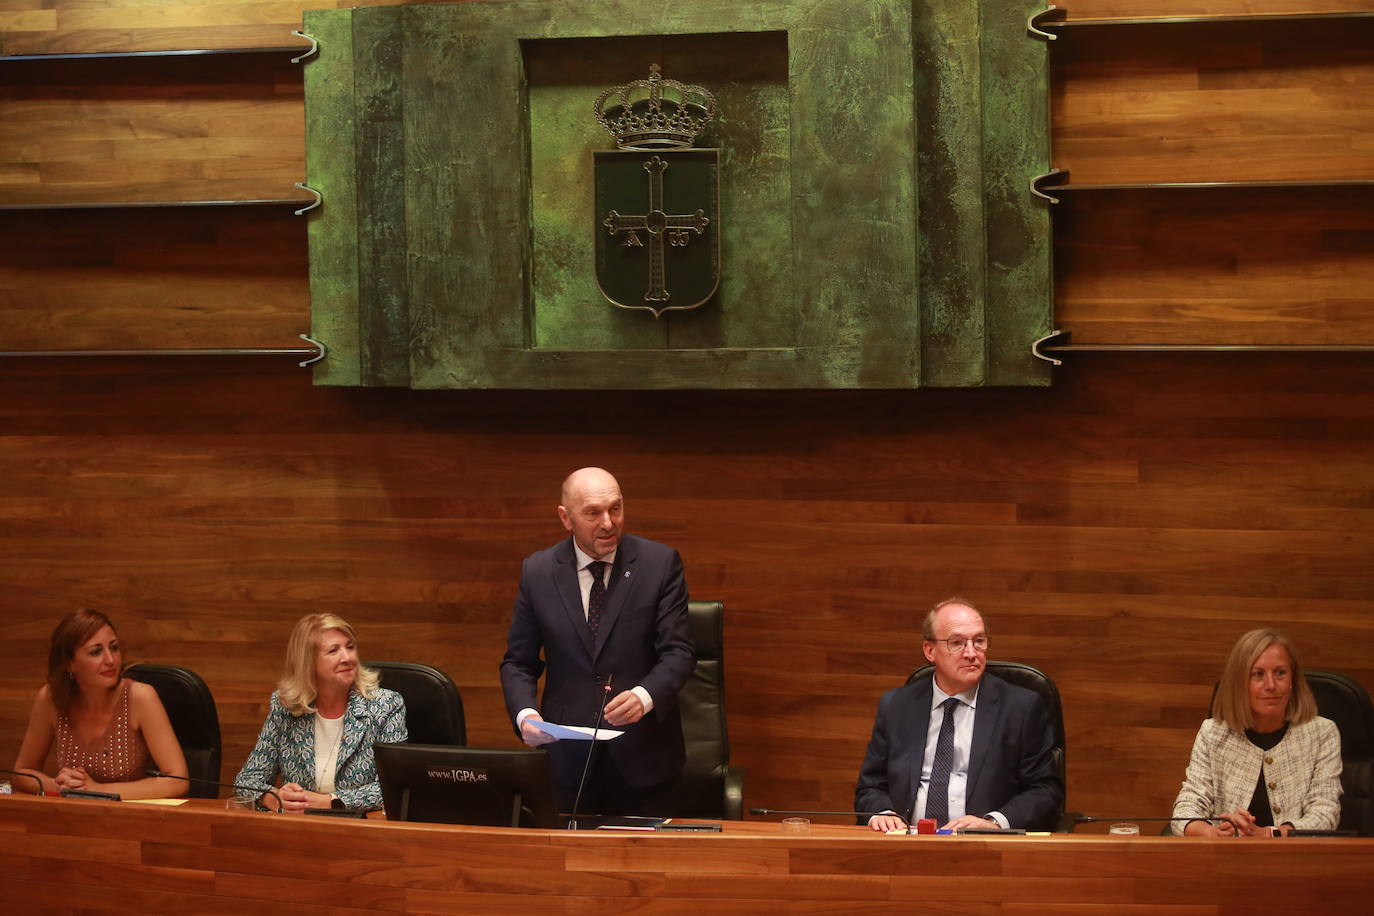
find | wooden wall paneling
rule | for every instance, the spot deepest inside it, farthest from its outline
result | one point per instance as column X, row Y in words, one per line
column 153, row 277
column 79, row 26
column 214, row 127
column 1120, row 531
column 1215, row 102
column 1245, row 266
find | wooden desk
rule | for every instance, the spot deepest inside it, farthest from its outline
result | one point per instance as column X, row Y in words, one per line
column 59, row 855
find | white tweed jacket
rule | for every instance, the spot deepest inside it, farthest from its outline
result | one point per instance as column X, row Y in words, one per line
column 1302, row 772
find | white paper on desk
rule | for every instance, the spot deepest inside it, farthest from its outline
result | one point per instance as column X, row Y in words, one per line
column 574, row 732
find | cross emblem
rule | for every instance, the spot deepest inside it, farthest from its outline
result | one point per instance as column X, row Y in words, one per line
column 676, row 227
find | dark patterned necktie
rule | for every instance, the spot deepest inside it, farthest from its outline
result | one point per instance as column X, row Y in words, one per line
column 596, row 601
column 937, row 794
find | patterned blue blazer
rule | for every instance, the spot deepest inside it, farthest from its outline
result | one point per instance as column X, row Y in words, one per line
column 286, row 746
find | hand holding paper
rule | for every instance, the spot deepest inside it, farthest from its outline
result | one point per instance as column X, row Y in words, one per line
column 574, row 732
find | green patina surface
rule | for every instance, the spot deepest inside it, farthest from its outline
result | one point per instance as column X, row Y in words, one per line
column 877, row 228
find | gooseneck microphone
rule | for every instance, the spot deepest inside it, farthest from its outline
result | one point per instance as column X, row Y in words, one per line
column 591, row 747
column 38, row 782
column 223, row 785
column 66, row 793
column 1099, row 819
column 785, row 812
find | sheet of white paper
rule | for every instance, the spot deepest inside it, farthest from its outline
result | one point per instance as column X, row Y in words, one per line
column 574, row 732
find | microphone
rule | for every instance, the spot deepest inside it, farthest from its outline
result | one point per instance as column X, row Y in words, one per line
column 223, row 785
column 789, row 813
column 591, row 749
column 1089, row 819
column 36, row 780
column 87, row 793
column 66, row 793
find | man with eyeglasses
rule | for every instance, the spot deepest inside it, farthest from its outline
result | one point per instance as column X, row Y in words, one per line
column 962, row 747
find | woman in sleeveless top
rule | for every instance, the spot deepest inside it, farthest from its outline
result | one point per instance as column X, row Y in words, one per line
column 108, row 730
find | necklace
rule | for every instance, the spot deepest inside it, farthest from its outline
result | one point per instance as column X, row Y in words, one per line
column 324, row 772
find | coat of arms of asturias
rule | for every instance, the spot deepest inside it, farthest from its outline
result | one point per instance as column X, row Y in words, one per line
column 657, row 197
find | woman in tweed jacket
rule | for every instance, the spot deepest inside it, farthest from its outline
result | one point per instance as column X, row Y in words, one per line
column 324, row 718
column 1265, row 763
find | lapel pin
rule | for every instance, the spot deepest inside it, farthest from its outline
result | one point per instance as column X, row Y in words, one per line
column 627, row 574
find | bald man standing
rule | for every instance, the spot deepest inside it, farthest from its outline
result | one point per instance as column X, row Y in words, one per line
column 602, row 603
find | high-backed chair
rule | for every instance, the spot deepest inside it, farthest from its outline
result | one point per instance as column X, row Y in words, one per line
column 191, row 708
column 1346, row 703
column 709, row 787
column 1031, row 678
column 434, row 708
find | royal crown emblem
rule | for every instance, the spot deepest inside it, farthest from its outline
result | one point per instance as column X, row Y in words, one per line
column 655, row 113
column 657, row 199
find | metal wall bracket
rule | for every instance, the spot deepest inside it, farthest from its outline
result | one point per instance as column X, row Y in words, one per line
column 1059, row 176
column 319, row 198
column 1035, row 347
column 323, row 350
column 1046, row 15
column 308, row 52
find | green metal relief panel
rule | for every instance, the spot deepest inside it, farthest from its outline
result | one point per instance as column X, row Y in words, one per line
column 333, row 230
column 382, row 279
column 1016, row 148
column 827, row 172
column 466, row 194
column 950, row 165
column 854, row 161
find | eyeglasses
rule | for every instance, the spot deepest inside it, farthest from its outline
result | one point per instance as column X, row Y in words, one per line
column 956, row 644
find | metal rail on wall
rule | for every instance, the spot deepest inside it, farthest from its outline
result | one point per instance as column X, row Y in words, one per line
column 314, row 353
column 1043, row 348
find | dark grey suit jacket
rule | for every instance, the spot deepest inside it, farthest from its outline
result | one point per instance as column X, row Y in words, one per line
column 1011, row 765
column 643, row 639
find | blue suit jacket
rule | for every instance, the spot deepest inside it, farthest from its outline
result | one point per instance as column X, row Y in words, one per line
column 1011, row 764
column 643, row 640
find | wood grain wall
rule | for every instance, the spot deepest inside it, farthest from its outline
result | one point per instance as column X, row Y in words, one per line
column 1119, row 529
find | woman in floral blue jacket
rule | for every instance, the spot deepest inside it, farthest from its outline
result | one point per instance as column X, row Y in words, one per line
column 325, row 716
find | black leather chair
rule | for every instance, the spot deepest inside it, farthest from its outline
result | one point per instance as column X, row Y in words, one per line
column 434, row 708
column 709, row 787
column 1346, row 703
column 191, row 709
column 1034, row 679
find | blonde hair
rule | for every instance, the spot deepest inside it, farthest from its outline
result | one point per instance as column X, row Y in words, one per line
column 1231, row 705
column 297, row 690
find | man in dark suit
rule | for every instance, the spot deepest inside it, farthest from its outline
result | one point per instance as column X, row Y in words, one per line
column 602, row 604
column 963, row 747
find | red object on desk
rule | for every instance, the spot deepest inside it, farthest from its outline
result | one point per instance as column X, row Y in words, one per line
column 926, row 825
